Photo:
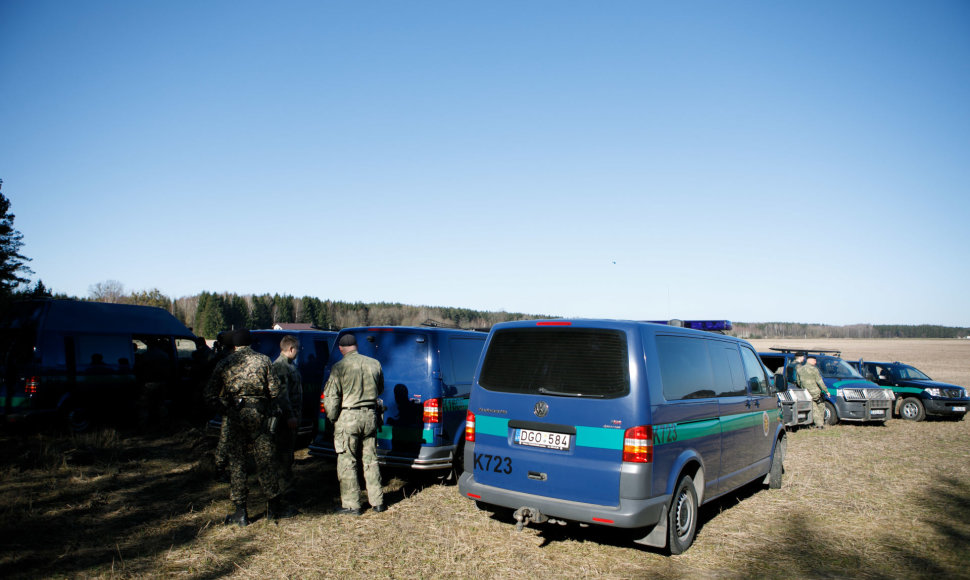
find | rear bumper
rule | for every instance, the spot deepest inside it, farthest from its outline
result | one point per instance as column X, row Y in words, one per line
column 630, row 513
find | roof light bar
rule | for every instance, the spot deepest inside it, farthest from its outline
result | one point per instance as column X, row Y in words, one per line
column 710, row 325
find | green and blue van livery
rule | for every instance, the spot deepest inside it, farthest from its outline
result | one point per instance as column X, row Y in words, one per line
column 618, row 423
column 427, row 377
column 917, row 395
column 87, row 361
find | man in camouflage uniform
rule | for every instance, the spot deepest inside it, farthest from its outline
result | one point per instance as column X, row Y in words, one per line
column 223, row 348
column 350, row 399
column 248, row 389
column 811, row 380
column 291, row 405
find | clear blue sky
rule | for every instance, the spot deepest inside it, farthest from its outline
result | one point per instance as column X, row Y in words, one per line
column 597, row 159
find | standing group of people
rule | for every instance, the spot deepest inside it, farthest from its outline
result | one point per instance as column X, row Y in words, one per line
column 261, row 402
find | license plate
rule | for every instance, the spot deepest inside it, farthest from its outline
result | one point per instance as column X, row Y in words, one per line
column 878, row 411
column 545, row 439
column 959, row 408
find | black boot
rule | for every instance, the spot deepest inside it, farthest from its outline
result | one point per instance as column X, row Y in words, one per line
column 277, row 509
column 240, row 517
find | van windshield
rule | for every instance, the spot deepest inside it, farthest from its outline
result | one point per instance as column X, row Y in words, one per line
column 576, row 362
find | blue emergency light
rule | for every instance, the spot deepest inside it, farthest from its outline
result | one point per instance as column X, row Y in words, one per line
column 709, row 325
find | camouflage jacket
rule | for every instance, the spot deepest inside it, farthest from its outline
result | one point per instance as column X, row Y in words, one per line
column 811, row 380
column 243, row 375
column 355, row 381
column 291, row 387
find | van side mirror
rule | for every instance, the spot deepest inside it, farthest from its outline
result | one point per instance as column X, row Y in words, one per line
column 780, row 383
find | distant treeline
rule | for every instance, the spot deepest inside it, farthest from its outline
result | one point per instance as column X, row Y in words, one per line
column 800, row 330
column 209, row 313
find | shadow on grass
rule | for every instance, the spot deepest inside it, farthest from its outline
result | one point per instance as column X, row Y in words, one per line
column 104, row 501
column 624, row 537
column 803, row 549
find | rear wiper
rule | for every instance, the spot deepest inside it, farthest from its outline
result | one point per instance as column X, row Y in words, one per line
column 546, row 391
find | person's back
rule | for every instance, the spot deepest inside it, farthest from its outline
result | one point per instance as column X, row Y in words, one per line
column 361, row 381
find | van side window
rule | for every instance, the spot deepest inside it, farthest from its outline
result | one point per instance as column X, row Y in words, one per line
column 464, row 358
column 98, row 353
column 185, row 347
column 728, row 373
column 685, row 367
column 754, row 373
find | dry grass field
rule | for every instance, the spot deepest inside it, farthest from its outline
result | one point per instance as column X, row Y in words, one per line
column 868, row 501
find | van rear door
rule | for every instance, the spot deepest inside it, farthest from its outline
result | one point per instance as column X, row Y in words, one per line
column 551, row 412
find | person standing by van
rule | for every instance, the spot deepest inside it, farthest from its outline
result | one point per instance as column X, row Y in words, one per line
column 350, row 399
column 291, row 404
column 248, row 389
column 811, row 380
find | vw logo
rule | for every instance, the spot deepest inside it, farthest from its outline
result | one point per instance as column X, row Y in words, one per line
column 541, row 409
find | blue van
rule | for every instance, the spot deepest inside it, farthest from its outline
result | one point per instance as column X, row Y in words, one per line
column 427, row 377
column 85, row 361
column 618, row 423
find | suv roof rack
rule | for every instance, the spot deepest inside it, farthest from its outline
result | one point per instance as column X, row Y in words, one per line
column 790, row 349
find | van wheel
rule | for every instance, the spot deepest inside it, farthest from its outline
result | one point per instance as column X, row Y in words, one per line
column 682, row 517
column 831, row 417
column 457, row 463
column 78, row 420
column 912, row 409
column 777, row 464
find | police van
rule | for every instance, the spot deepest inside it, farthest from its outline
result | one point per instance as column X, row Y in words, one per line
column 849, row 396
column 427, row 377
column 84, row 361
column 618, row 423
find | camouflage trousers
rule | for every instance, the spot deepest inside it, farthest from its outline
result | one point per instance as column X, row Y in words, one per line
column 355, row 440
column 285, row 445
column 818, row 413
column 247, row 436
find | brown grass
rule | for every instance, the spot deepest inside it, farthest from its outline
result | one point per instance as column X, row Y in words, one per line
column 857, row 501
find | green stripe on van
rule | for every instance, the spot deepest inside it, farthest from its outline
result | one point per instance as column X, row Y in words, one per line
column 408, row 434
column 662, row 434
column 497, row 426
column 599, row 437
column 913, row 390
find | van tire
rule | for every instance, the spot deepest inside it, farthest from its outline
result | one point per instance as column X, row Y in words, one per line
column 777, row 464
column 78, row 420
column 457, row 463
column 682, row 516
column 912, row 409
column 831, row 417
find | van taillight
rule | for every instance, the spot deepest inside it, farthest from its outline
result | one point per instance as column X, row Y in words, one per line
column 322, row 408
column 431, row 408
column 32, row 384
column 470, row 427
column 638, row 444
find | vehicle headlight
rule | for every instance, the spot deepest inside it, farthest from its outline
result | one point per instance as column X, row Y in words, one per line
column 933, row 392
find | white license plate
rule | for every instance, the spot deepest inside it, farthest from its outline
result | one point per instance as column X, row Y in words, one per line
column 959, row 408
column 545, row 439
column 878, row 411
